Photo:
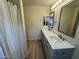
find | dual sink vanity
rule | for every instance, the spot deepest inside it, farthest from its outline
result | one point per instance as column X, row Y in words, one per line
column 54, row 47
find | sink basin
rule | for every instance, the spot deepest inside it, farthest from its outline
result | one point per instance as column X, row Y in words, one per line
column 60, row 44
column 55, row 42
column 51, row 37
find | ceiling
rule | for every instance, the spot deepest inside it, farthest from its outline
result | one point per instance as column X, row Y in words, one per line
column 73, row 4
column 40, row 2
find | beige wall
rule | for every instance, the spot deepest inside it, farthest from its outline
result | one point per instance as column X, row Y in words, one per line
column 34, row 18
column 71, row 40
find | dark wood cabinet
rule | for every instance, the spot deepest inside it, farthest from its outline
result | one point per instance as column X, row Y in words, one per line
column 51, row 53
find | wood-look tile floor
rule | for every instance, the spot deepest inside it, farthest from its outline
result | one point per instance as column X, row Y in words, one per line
column 35, row 49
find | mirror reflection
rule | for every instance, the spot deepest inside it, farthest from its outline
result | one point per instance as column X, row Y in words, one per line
column 69, row 19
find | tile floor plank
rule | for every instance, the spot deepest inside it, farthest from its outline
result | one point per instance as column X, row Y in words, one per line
column 35, row 49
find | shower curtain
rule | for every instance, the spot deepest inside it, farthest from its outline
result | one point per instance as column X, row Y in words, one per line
column 11, row 30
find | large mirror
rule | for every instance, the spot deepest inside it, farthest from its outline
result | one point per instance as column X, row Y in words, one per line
column 69, row 18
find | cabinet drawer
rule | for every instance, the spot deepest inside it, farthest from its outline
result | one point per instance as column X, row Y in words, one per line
column 62, row 54
column 63, row 51
column 61, row 57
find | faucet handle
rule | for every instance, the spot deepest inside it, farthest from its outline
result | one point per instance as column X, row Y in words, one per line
column 60, row 36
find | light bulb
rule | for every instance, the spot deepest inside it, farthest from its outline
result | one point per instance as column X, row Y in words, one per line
column 60, row 1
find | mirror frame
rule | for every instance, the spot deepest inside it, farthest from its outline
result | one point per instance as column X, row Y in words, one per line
column 52, row 13
column 75, row 25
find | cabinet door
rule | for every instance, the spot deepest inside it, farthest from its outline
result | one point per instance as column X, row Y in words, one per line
column 50, row 51
column 43, row 38
column 46, row 47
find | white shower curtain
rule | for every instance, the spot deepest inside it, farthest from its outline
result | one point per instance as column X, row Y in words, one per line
column 15, row 47
column 12, row 31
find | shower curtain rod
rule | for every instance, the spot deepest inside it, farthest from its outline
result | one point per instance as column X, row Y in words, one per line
column 11, row 1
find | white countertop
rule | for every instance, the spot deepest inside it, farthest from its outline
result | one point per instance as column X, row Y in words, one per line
column 54, row 41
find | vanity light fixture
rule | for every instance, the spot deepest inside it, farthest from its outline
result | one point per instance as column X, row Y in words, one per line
column 56, row 4
column 60, row 1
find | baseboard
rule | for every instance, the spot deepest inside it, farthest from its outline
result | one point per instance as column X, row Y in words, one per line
column 35, row 38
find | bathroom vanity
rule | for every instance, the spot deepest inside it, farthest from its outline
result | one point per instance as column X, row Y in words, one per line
column 55, row 48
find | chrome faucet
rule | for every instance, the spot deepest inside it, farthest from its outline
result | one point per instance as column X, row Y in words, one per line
column 60, row 36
